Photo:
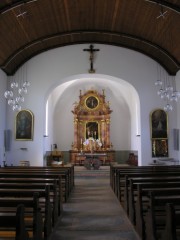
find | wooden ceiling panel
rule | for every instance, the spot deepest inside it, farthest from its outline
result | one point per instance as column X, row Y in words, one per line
column 29, row 27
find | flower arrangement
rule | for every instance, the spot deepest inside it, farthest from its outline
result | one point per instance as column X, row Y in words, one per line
column 92, row 144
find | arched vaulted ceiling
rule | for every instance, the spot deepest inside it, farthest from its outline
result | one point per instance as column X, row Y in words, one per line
column 30, row 27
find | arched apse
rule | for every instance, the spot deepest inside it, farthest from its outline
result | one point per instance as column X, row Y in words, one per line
column 124, row 102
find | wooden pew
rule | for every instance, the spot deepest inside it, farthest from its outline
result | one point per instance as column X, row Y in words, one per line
column 122, row 172
column 115, row 178
column 172, row 224
column 21, row 232
column 14, row 214
column 66, row 173
column 49, row 190
column 66, row 169
column 42, row 183
column 161, row 221
column 123, row 168
column 144, row 202
column 120, row 182
column 38, row 176
column 130, row 192
column 20, row 195
column 113, row 174
column 122, row 188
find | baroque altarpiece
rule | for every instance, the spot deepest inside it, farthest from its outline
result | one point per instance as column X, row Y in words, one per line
column 92, row 124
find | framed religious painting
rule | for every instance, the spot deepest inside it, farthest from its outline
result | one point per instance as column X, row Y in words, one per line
column 159, row 124
column 24, row 125
column 92, row 102
column 92, row 130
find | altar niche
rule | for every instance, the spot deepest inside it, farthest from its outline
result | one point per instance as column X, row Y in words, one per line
column 91, row 122
column 92, row 130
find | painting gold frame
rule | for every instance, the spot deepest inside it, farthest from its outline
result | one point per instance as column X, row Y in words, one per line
column 24, row 125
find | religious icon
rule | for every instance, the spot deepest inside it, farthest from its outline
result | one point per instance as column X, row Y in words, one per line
column 91, row 50
column 159, row 124
column 159, row 133
column 92, row 102
column 24, row 125
column 92, row 130
column 160, row 148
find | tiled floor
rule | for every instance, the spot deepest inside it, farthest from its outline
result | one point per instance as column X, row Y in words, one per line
column 92, row 211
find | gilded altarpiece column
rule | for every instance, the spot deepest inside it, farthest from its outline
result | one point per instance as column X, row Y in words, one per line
column 108, row 133
column 74, row 145
column 103, row 132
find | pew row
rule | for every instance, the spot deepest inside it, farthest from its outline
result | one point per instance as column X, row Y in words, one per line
column 48, row 192
column 22, row 182
column 118, row 174
column 162, row 220
column 143, row 203
column 131, row 189
column 66, row 174
column 22, row 221
column 132, row 186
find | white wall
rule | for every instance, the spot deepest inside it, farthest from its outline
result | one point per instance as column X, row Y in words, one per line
column 3, row 82
column 55, row 67
column 122, row 102
column 178, row 107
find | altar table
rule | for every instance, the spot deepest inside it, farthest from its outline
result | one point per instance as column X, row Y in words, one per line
column 92, row 160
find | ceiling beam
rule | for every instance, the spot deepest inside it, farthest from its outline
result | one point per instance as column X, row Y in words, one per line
column 166, row 4
column 135, row 38
column 11, row 6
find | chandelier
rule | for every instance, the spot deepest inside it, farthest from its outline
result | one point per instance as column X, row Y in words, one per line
column 166, row 84
column 167, row 89
column 18, row 88
column 18, row 84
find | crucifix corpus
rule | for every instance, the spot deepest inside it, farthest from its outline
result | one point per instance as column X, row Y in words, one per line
column 91, row 51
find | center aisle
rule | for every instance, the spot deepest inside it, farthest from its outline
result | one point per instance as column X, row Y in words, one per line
column 93, row 211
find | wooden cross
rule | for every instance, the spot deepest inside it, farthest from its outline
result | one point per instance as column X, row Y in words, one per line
column 91, row 50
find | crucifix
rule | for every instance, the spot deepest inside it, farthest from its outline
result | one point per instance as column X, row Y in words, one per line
column 91, row 50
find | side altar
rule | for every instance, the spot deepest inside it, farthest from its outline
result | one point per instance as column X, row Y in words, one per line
column 92, row 128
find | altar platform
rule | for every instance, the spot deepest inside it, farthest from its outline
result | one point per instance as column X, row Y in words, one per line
column 105, row 157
